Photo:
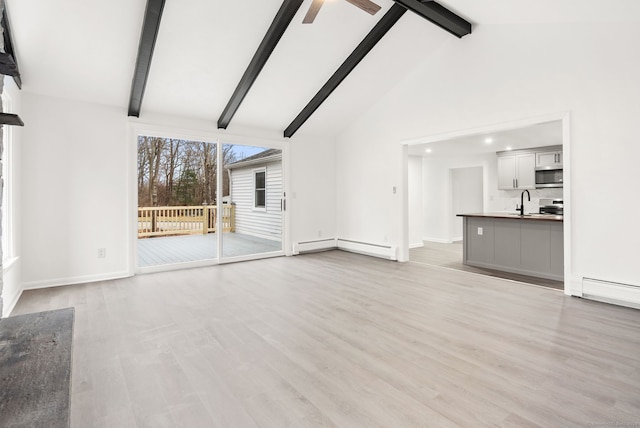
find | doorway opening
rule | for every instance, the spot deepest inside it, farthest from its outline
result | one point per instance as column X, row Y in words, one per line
column 458, row 174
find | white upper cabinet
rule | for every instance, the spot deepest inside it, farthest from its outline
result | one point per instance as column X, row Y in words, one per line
column 549, row 159
column 525, row 171
column 517, row 171
column 506, row 172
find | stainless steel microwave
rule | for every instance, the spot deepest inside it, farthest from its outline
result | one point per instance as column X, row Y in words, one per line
column 548, row 178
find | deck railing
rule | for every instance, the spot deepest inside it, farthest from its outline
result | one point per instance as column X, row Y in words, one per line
column 167, row 221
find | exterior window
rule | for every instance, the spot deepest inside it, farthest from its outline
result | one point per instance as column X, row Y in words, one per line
column 260, row 188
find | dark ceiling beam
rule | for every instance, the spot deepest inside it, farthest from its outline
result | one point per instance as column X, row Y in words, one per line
column 150, row 28
column 438, row 15
column 10, row 119
column 274, row 33
column 386, row 22
column 8, row 61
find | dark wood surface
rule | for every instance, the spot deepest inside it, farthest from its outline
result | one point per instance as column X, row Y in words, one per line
column 277, row 28
column 150, row 29
column 371, row 39
column 10, row 119
column 8, row 61
column 439, row 15
column 528, row 217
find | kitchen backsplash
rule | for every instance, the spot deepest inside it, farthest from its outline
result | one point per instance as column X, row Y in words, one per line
column 506, row 200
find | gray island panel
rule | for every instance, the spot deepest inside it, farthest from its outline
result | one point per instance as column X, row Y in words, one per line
column 527, row 245
column 481, row 248
column 535, row 241
column 557, row 249
column 507, row 249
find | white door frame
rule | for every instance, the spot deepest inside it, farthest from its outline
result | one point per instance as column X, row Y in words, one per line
column 205, row 134
column 565, row 117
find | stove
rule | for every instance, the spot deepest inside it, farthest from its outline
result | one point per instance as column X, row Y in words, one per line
column 552, row 206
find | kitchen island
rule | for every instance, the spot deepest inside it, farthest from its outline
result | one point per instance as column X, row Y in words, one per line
column 530, row 244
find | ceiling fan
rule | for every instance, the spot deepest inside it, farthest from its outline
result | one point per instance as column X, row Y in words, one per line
column 366, row 5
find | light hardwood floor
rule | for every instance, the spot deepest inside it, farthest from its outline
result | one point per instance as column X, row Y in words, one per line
column 339, row 339
column 450, row 256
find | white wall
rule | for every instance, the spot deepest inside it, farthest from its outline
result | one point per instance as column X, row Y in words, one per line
column 312, row 197
column 74, row 192
column 506, row 73
column 467, row 196
column 78, row 189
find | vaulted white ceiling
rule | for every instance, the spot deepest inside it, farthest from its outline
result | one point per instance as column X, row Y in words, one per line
column 86, row 50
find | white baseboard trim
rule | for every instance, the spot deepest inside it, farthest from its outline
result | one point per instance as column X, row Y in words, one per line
column 10, row 303
column 575, row 286
column 382, row 251
column 611, row 292
column 375, row 250
column 59, row 282
column 309, row 246
column 439, row 240
column 417, row 245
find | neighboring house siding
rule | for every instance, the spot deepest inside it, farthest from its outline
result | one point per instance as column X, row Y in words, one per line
column 264, row 223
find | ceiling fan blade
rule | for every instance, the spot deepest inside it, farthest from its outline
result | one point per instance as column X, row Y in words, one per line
column 313, row 11
column 366, row 5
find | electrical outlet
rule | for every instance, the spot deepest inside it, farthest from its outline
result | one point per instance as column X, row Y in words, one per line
column 480, row 231
column 102, row 253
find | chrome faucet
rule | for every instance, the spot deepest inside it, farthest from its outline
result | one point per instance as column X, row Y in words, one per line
column 521, row 209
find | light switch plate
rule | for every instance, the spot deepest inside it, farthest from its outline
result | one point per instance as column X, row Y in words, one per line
column 480, row 231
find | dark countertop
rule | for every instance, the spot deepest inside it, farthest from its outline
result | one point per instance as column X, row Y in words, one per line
column 536, row 217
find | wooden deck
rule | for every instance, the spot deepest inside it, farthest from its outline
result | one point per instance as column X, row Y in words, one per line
column 179, row 249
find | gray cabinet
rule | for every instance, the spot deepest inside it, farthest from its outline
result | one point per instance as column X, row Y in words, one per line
column 526, row 247
column 516, row 171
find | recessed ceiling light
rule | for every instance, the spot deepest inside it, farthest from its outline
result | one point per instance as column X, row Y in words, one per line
column 428, row 150
column 488, row 140
column 508, row 148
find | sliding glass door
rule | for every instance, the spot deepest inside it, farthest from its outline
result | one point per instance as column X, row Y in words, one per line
column 253, row 202
column 181, row 219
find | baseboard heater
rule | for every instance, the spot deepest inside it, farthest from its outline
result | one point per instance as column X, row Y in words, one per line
column 383, row 251
column 311, row 246
column 611, row 292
